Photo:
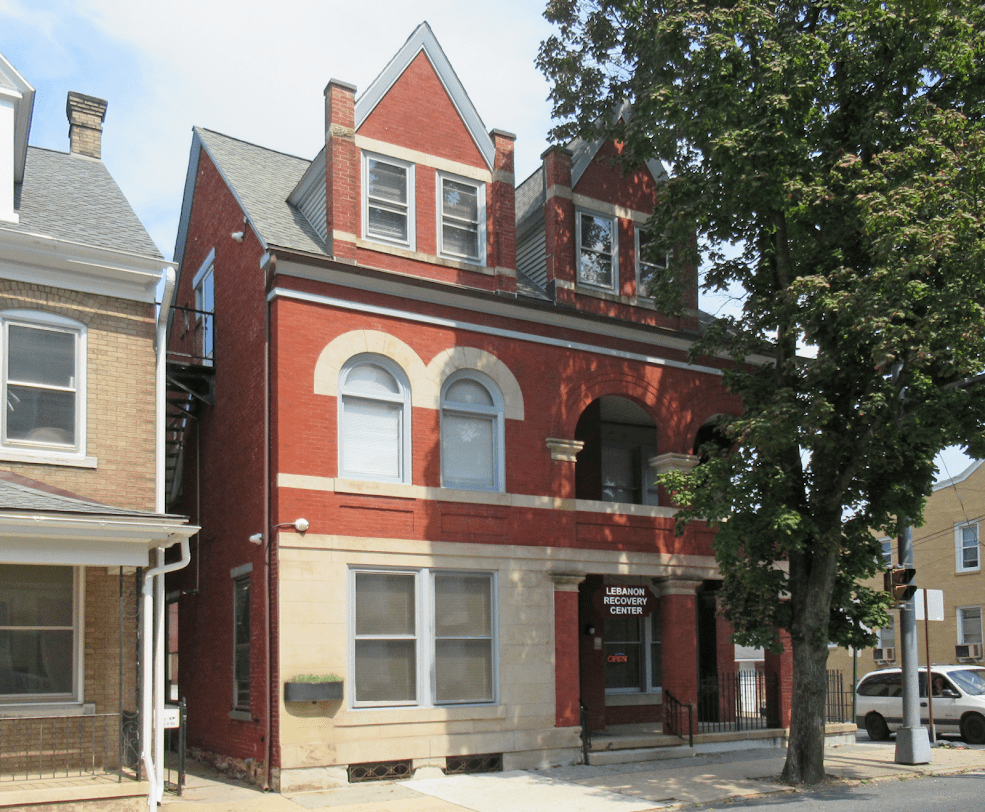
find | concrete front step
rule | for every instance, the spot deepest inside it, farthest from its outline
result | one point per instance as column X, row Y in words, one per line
column 629, row 747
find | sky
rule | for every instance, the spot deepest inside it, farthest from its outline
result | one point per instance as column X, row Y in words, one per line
column 254, row 70
column 257, row 70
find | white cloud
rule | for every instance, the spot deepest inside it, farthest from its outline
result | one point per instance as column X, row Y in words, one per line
column 254, row 70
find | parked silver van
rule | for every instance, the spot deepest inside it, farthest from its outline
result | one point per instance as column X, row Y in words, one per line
column 958, row 697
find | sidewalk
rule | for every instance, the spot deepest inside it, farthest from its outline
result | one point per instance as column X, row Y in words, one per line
column 618, row 788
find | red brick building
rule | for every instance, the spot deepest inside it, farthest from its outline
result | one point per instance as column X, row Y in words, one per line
column 428, row 452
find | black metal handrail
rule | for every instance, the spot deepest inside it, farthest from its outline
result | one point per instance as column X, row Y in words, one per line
column 586, row 730
column 192, row 337
column 674, row 716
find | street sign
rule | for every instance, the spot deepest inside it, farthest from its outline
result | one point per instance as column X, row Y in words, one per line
column 935, row 604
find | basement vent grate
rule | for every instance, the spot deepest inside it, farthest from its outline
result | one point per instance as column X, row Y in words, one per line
column 488, row 763
column 379, row 771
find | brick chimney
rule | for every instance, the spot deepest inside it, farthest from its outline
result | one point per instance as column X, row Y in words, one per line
column 342, row 170
column 85, row 124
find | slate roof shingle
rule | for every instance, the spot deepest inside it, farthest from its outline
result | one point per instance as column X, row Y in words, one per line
column 70, row 197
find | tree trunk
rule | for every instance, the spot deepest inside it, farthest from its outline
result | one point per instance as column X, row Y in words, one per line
column 808, row 632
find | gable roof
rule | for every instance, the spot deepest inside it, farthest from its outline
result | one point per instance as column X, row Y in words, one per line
column 74, row 198
column 423, row 40
column 262, row 181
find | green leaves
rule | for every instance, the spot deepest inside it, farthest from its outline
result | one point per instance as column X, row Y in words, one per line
column 842, row 147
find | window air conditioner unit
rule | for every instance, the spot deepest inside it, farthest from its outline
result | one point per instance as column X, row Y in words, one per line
column 968, row 651
column 884, row 655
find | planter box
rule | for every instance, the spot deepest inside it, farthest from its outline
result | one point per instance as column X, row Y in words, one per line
column 312, row 691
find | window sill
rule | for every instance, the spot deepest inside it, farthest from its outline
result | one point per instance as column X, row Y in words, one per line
column 360, row 717
column 240, row 716
column 47, row 458
column 432, row 259
column 624, row 700
column 47, row 709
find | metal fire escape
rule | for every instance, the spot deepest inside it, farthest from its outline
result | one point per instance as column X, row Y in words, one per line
column 190, row 385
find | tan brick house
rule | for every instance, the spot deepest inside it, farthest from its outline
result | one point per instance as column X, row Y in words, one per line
column 947, row 557
column 82, row 526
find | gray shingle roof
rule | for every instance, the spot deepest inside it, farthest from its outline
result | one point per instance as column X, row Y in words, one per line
column 70, row 197
column 18, row 493
column 262, row 180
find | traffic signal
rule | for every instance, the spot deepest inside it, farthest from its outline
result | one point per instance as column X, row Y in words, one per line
column 896, row 582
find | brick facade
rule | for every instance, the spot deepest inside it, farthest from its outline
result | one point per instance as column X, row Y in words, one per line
column 269, row 451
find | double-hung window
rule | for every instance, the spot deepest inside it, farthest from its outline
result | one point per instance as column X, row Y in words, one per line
column 648, row 271
column 461, row 218
column 374, row 420
column 966, row 555
column 204, row 284
column 241, row 638
column 471, row 433
column 969, row 625
column 388, row 200
column 423, row 637
column 43, row 382
column 597, row 250
column 39, row 632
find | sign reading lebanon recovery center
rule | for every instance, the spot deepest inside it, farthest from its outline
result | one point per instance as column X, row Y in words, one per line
column 616, row 600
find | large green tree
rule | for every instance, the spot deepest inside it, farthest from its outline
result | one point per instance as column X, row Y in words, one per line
column 839, row 145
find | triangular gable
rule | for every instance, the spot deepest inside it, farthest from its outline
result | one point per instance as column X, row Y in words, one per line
column 424, row 41
column 584, row 152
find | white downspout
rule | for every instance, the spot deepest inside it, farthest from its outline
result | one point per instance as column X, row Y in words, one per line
column 161, row 386
column 152, row 701
column 149, row 743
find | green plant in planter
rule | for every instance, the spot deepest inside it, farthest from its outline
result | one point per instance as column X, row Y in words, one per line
column 316, row 678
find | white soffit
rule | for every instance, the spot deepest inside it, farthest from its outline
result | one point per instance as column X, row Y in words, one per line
column 11, row 80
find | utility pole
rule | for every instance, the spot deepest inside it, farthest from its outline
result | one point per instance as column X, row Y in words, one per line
column 912, row 741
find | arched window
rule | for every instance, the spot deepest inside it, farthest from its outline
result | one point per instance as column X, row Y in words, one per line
column 471, row 433
column 374, row 420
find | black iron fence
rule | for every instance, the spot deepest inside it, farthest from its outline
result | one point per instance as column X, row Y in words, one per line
column 736, row 700
column 37, row 747
column 840, row 702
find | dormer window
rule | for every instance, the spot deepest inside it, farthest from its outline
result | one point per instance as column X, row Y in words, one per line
column 597, row 250
column 388, row 200
column 649, row 271
column 462, row 218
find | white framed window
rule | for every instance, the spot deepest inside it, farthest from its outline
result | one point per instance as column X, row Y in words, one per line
column 966, row 555
column 374, row 420
column 204, row 284
column 388, row 200
column 422, row 637
column 40, row 633
column 598, row 250
column 887, row 635
column 44, row 373
column 969, row 624
column 887, row 552
column 241, row 637
column 633, row 654
column 472, row 453
column 461, row 218
column 647, row 272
